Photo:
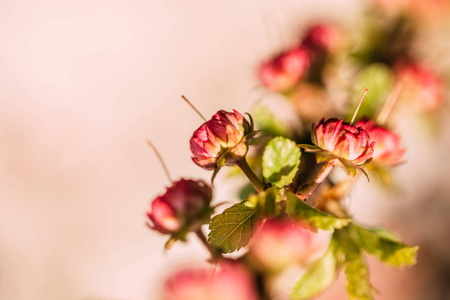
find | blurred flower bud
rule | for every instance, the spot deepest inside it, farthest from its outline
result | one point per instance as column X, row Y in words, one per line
column 323, row 36
column 343, row 141
column 421, row 84
column 418, row 8
column 387, row 150
column 232, row 282
column 183, row 207
column 284, row 71
column 221, row 140
column 279, row 244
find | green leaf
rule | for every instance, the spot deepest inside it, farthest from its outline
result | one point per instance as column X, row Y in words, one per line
column 246, row 191
column 281, row 159
column 380, row 81
column 358, row 284
column 389, row 250
column 310, row 148
column 319, row 276
column 351, row 169
column 298, row 209
column 170, row 242
column 232, row 229
column 268, row 123
column 266, row 202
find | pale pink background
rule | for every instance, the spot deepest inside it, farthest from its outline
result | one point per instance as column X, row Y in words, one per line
column 82, row 85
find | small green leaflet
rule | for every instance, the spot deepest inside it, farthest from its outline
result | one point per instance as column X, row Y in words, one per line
column 298, row 209
column 354, row 240
column 358, row 284
column 376, row 242
column 281, row 159
column 269, row 124
column 232, row 229
column 319, row 276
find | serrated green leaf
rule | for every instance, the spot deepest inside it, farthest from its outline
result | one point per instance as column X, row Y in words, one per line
column 358, row 284
column 385, row 247
column 281, row 159
column 232, row 229
column 300, row 210
column 319, row 276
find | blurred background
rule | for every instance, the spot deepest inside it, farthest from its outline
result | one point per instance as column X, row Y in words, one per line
column 83, row 84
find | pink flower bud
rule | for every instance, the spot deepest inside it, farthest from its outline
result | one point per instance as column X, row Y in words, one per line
column 322, row 36
column 222, row 137
column 343, row 140
column 422, row 84
column 184, row 204
column 387, row 150
column 232, row 282
column 284, row 71
column 278, row 244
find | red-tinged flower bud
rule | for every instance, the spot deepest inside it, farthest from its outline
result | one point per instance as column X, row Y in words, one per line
column 422, row 84
column 284, row 71
column 343, row 141
column 232, row 282
column 221, row 140
column 388, row 150
column 323, row 36
column 279, row 244
column 183, row 207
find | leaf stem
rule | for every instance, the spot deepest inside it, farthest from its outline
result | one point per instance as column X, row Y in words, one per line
column 254, row 180
column 214, row 252
column 306, row 191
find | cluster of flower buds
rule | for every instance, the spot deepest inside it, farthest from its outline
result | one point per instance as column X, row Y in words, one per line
column 387, row 150
column 343, row 141
column 184, row 207
column 421, row 84
column 221, row 141
column 281, row 243
column 231, row 282
column 284, row 71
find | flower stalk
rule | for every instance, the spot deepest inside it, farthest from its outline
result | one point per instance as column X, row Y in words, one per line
column 214, row 252
column 306, row 191
column 254, row 180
